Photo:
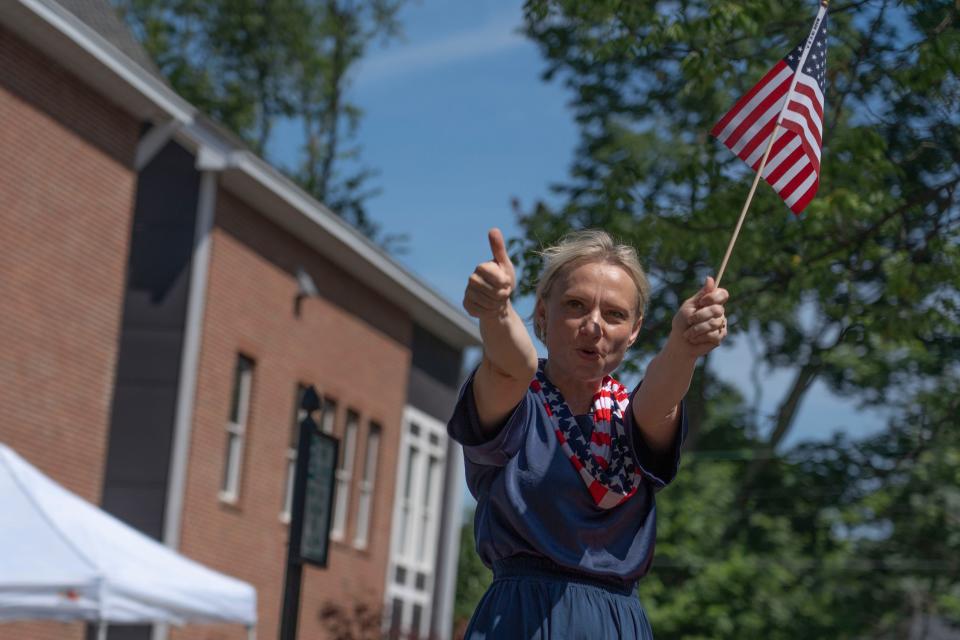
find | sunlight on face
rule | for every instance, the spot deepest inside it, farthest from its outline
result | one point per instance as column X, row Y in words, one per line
column 589, row 320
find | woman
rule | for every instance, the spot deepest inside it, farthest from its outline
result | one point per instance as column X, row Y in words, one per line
column 563, row 460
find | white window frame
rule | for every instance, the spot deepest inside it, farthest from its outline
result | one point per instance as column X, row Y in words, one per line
column 288, row 486
column 291, row 454
column 367, row 482
column 344, row 477
column 328, row 416
column 237, row 430
column 420, row 517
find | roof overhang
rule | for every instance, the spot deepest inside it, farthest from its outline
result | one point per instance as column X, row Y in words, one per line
column 63, row 37
column 276, row 197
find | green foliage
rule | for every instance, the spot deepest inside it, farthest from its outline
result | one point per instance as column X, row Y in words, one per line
column 861, row 292
column 840, row 539
column 252, row 63
column 473, row 577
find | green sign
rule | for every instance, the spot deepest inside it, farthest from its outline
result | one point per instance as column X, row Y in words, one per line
column 318, row 504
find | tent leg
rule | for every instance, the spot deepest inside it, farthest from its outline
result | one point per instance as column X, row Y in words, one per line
column 251, row 633
column 102, row 631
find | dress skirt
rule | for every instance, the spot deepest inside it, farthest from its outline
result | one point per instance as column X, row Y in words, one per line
column 533, row 599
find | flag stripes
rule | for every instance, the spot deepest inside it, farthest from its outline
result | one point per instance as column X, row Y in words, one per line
column 793, row 166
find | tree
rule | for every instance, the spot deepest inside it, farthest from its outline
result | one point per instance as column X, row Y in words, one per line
column 337, row 38
column 473, row 577
column 250, row 63
column 860, row 294
column 227, row 57
column 845, row 539
column 905, row 512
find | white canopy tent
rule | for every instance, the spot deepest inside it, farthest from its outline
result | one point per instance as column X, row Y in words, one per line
column 61, row 558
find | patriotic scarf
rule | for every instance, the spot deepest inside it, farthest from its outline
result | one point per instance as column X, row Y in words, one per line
column 606, row 464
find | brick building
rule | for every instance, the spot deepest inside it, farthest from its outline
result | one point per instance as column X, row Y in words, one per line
column 156, row 331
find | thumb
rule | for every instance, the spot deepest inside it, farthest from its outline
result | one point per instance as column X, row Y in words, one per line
column 709, row 285
column 498, row 248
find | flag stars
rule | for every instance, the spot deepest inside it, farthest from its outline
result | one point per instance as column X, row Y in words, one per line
column 812, row 73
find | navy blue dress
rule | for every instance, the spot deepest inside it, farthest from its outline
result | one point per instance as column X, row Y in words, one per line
column 564, row 568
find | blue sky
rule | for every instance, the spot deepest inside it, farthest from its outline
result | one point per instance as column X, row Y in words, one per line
column 457, row 121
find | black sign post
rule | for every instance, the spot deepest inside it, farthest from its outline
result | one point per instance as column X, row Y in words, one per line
column 310, row 513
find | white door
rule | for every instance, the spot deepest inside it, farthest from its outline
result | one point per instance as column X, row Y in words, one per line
column 416, row 524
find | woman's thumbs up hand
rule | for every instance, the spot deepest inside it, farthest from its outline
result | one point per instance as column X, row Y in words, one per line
column 492, row 282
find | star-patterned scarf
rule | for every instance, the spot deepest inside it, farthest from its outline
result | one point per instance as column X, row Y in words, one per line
column 606, row 464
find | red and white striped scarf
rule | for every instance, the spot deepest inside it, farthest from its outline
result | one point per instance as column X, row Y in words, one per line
column 606, row 465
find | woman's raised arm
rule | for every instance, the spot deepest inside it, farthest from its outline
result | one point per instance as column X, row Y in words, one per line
column 698, row 327
column 509, row 358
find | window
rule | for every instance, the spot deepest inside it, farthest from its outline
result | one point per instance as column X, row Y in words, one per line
column 328, row 416
column 429, row 506
column 416, row 523
column 396, row 618
column 237, row 428
column 406, row 502
column 344, row 477
column 366, row 485
column 292, row 445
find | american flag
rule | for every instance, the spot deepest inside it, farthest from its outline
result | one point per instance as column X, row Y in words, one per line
column 793, row 168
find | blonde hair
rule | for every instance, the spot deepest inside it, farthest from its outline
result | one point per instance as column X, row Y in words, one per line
column 584, row 247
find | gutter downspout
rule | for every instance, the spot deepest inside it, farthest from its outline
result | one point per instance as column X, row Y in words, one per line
column 209, row 164
column 189, row 360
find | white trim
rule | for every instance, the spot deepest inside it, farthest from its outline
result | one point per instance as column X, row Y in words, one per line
column 445, row 580
column 289, row 479
column 328, row 415
column 414, row 534
column 367, row 485
column 236, row 441
column 351, row 250
column 151, row 143
column 344, row 477
column 189, row 360
column 237, row 429
column 189, row 367
column 291, row 455
column 258, row 181
column 144, row 82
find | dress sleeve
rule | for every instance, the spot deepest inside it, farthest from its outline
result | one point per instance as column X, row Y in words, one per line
column 478, row 448
column 660, row 467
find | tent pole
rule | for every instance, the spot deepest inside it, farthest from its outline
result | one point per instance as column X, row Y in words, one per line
column 102, row 630
column 251, row 633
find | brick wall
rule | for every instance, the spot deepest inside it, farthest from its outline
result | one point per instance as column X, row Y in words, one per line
column 350, row 343
column 66, row 198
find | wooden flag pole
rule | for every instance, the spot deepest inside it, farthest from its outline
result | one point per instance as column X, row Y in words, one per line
column 773, row 136
column 746, row 205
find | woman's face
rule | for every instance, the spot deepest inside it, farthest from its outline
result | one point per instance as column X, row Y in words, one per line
column 589, row 319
